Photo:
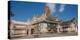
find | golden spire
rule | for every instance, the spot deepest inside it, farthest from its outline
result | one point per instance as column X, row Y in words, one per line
column 47, row 11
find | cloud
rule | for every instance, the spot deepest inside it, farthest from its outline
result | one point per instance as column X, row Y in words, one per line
column 52, row 7
column 61, row 8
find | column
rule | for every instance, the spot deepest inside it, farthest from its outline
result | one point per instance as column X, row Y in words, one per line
column 58, row 28
column 29, row 30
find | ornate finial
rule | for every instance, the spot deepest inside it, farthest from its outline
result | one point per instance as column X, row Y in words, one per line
column 47, row 11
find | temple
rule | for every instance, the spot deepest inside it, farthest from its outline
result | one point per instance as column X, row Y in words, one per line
column 46, row 23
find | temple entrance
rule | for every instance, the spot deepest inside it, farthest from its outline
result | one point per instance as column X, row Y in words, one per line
column 52, row 27
column 32, row 31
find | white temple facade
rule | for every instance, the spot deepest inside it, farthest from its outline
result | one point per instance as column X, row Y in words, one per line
column 43, row 24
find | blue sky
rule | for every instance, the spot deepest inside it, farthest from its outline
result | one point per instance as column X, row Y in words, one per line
column 26, row 10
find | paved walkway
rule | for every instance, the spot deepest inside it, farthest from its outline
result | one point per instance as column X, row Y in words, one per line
column 47, row 35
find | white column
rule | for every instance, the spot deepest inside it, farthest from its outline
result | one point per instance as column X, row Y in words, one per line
column 58, row 28
column 29, row 33
column 76, row 29
column 29, row 30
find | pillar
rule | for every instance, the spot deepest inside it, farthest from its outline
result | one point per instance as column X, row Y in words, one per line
column 58, row 28
column 29, row 30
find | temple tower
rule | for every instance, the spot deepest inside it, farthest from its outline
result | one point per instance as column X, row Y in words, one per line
column 47, row 11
